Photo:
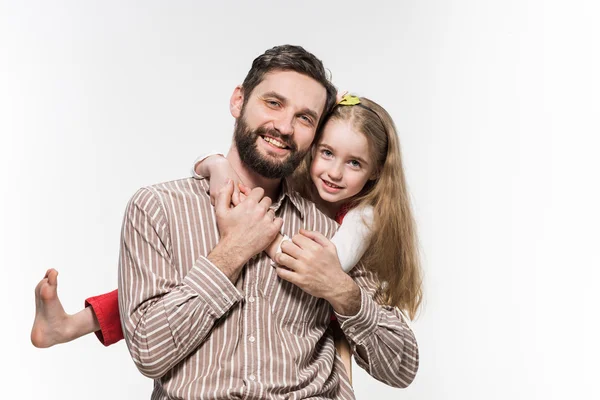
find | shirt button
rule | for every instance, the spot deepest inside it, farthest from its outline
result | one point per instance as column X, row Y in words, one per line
column 250, row 299
column 251, row 339
column 252, row 377
column 384, row 285
column 351, row 329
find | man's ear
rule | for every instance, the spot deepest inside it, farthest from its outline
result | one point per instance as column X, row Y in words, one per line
column 236, row 102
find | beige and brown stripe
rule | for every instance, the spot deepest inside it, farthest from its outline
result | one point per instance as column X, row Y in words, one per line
column 201, row 337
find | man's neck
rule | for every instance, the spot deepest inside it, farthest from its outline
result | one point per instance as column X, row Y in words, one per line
column 250, row 178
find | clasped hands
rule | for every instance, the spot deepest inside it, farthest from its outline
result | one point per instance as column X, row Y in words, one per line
column 247, row 226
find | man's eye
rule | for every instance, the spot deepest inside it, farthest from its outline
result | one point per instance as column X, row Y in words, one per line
column 273, row 103
column 306, row 119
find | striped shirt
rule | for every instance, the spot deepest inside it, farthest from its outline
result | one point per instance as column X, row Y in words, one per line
column 201, row 337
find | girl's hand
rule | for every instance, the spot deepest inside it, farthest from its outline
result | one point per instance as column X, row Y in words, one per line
column 219, row 170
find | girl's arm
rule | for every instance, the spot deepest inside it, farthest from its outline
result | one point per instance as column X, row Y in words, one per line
column 218, row 170
column 353, row 237
column 275, row 246
column 200, row 169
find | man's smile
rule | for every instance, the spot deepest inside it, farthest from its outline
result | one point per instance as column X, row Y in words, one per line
column 275, row 142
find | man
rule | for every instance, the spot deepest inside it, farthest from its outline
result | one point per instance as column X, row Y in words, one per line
column 203, row 310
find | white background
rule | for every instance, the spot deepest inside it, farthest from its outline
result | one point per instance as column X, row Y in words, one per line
column 497, row 107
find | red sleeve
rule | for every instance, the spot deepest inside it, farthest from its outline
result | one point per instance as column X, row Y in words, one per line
column 106, row 308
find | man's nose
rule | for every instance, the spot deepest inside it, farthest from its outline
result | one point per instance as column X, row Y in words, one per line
column 285, row 124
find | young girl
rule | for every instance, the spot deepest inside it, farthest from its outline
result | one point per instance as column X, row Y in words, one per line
column 353, row 173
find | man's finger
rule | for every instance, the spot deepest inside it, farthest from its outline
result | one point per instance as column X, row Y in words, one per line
column 224, row 198
column 278, row 223
column 316, row 236
column 271, row 214
column 266, row 202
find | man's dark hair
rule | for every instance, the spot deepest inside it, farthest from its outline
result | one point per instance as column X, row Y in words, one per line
column 289, row 58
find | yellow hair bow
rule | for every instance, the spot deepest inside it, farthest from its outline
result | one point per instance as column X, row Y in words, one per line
column 349, row 100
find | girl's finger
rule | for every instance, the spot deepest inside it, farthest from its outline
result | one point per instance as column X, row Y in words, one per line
column 316, row 236
column 286, row 274
column 235, row 197
column 290, row 249
column 224, row 198
column 306, row 243
column 244, row 189
column 287, row 261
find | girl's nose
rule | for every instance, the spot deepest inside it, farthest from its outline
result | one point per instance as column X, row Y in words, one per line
column 335, row 173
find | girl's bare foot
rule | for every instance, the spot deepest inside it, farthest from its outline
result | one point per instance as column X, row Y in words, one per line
column 51, row 324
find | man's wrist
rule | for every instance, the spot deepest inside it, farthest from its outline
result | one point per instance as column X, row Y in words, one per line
column 228, row 260
column 346, row 299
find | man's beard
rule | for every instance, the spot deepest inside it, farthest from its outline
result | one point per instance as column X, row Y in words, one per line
column 268, row 167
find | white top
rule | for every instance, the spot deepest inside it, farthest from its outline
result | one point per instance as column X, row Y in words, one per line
column 353, row 237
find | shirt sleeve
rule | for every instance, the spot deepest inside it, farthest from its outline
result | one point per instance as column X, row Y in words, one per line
column 165, row 316
column 106, row 309
column 381, row 334
column 352, row 238
column 202, row 158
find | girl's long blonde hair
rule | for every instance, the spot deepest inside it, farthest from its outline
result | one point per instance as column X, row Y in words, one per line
column 393, row 251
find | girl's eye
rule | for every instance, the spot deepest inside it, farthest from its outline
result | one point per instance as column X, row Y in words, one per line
column 326, row 153
column 354, row 164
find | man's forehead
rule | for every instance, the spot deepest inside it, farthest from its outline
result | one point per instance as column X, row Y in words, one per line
column 299, row 90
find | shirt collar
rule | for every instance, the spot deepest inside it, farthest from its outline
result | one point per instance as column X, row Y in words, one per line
column 293, row 196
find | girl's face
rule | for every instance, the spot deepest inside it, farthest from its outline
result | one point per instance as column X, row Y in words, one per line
column 341, row 164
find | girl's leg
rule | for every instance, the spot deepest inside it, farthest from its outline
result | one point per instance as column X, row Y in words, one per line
column 52, row 325
column 342, row 347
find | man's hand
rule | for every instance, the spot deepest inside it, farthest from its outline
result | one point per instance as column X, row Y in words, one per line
column 312, row 264
column 245, row 230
